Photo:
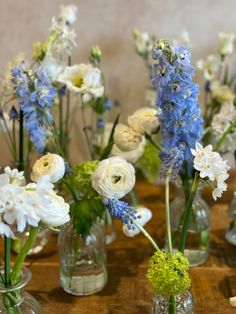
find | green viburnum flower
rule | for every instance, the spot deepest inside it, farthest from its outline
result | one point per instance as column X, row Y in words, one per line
column 168, row 274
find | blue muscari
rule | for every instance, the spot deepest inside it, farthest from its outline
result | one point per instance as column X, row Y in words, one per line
column 122, row 211
column 180, row 117
column 36, row 97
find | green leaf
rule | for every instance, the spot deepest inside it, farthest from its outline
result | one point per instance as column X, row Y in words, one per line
column 99, row 106
column 107, row 150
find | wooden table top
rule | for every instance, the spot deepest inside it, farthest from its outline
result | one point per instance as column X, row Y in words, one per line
column 128, row 291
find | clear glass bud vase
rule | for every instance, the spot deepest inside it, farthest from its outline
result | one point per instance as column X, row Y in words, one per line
column 230, row 234
column 39, row 244
column 184, row 304
column 197, row 241
column 14, row 300
column 83, row 268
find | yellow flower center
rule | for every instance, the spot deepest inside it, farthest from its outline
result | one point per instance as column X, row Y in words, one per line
column 77, row 81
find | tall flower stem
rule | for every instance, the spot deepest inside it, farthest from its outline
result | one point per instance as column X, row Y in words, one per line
column 68, row 107
column 187, row 212
column 21, row 142
column 133, row 197
column 7, row 261
column 23, row 253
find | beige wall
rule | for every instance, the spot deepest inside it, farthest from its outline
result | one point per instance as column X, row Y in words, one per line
column 109, row 23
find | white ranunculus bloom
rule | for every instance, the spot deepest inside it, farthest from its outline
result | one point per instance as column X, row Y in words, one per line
column 210, row 67
column 52, row 165
column 210, row 165
column 113, row 178
column 68, row 14
column 83, row 79
column 143, row 215
column 222, row 92
column 125, row 138
column 144, row 120
column 131, row 156
column 53, row 67
column 226, row 43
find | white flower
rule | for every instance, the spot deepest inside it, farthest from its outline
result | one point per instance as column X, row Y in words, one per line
column 15, row 176
column 232, row 301
column 84, row 79
column 143, row 215
column 226, row 43
column 131, row 156
column 68, row 14
column 210, row 67
column 222, row 120
column 211, row 166
column 52, row 66
column 144, row 120
column 113, row 178
column 52, row 165
column 142, row 41
column 222, row 92
column 5, row 230
column 125, row 138
column 5, row 123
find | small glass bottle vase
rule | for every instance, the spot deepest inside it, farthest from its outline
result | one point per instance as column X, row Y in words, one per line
column 107, row 224
column 197, row 241
column 83, row 268
column 230, row 234
column 14, row 300
column 184, row 304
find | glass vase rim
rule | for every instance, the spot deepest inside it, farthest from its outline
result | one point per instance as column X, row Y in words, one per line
column 25, row 277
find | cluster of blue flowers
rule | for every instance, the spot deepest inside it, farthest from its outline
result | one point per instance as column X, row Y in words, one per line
column 122, row 211
column 180, row 117
column 36, row 96
column 171, row 161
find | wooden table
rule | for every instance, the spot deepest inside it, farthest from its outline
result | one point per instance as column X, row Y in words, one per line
column 128, row 291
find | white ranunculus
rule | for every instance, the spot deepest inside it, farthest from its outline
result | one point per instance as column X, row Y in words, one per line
column 68, row 14
column 226, row 43
column 52, row 66
column 125, row 138
column 131, row 156
column 52, row 165
column 210, row 67
column 222, row 92
column 113, row 178
column 144, row 120
column 83, row 79
column 143, row 215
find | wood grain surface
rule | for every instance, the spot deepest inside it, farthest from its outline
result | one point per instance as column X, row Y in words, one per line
column 128, row 291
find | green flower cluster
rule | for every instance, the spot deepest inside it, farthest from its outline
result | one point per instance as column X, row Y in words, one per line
column 168, row 274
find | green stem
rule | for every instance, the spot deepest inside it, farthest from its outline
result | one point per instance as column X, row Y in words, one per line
column 68, row 107
column 133, row 197
column 23, row 253
column 221, row 140
column 61, row 122
column 21, row 142
column 172, row 307
column 7, row 262
column 70, row 187
column 147, row 235
column 167, row 203
column 187, row 212
column 149, row 138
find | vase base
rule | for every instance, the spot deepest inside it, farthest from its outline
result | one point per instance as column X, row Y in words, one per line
column 230, row 236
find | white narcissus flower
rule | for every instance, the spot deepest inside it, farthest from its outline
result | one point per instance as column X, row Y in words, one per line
column 142, row 41
column 5, row 230
column 15, row 176
column 222, row 92
column 83, row 79
column 113, row 178
column 226, row 43
column 52, row 165
column 210, row 165
column 125, row 138
column 53, row 67
column 142, row 215
column 144, row 120
column 68, row 14
column 232, row 301
column 210, row 67
column 131, row 156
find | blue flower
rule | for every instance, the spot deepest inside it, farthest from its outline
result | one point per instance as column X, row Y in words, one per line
column 100, row 123
column 180, row 117
column 171, row 161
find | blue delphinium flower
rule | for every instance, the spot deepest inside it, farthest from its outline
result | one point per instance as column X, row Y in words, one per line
column 122, row 211
column 180, row 116
column 36, row 97
column 171, row 161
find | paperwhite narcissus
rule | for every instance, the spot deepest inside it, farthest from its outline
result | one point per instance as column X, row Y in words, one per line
column 113, row 178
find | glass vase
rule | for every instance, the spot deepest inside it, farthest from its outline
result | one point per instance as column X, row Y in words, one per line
column 184, row 304
column 83, row 268
column 108, row 227
column 197, row 241
column 39, row 244
column 14, row 300
column 230, row 234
